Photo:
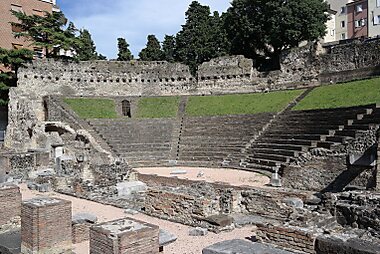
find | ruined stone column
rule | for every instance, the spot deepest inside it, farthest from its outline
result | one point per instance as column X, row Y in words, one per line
column 46, row 226
column 124, row 236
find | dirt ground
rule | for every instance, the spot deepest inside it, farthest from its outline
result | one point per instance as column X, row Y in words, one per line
column 185, row 244
column 231, row 176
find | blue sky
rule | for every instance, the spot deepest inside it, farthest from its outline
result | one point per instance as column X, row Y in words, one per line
column 132, row 19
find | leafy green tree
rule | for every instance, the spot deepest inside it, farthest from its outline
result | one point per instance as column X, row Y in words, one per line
column 196, row 42
column 86, row 49
column 272, row 26
column 152, row 51
column 168, row 48
column 12, row 59
column 48, row 32
column 124, row 53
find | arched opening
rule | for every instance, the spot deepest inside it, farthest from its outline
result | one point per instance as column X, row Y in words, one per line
column 126, row 108
column 46, row 111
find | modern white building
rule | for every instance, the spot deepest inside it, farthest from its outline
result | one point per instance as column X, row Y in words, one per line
column 373, row 18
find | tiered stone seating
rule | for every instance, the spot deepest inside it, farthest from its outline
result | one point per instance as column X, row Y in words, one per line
column 295, row 132
column 208, row 141
column 145, row 142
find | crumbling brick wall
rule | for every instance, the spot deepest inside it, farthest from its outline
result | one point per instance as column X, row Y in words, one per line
column 10, row 203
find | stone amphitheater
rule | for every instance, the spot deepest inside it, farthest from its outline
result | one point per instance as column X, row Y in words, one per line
column 290, row 181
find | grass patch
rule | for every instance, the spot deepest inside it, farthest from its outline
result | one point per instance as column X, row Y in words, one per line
column 158, row 107
column 342, row 95
column 92, row 108
column 240, row 104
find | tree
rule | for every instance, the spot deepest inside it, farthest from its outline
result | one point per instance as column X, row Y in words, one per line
column 48, row 32
column 168, row 48
column 12, row 59
column 86, row 49
column 152, row 51
column 272, row 26
column 124, row 53
column 196, row 43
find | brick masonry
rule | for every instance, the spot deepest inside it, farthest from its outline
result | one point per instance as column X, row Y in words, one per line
column 46, row 226
column 124, row 236
column 81, row 232
column 292, row 238
column 10, row 203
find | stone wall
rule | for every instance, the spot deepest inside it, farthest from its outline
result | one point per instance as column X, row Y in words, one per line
column 10, row 200
column 300, row 67
column 326, row 244
column 378, row 163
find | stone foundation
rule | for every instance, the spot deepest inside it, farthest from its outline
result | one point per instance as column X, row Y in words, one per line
column 46, row 226
column 81, row 232
column 124, row 236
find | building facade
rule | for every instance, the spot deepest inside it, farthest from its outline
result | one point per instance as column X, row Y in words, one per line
column 373, row 18
column 37, row 7
column 339, row 6
column 357, row 19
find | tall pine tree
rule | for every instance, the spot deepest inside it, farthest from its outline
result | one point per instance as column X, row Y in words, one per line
column 124, row 53
column 152, row 51
column 86, row 49
column 168, row 48
column 198, row 41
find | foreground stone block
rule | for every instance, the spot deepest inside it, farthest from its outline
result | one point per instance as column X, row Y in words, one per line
column 125, row 189
column 242, row 247
column 10, row 203
column 46, row 226
column 124, row 236
column 220, row 220
column 338, row 245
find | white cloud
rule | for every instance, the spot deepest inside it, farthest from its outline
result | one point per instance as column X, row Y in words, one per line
column 131, row 19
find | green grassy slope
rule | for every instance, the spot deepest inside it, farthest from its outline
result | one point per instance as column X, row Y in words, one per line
column 158, row 107
column 240, row 104
column 342, row 95
column 92, row 108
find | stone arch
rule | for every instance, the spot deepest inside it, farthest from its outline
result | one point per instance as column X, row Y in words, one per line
column 126, row 108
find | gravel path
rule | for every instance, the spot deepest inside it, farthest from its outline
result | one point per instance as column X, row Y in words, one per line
column 184, row 245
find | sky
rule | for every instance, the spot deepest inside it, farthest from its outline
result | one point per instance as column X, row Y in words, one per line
column 133, row 20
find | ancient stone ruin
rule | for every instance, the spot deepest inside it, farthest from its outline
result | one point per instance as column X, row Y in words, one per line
column 323, row 196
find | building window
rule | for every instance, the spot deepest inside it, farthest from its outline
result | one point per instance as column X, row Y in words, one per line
column 38, row 13
column 343, row 36
column 332, row 32
column 360, row 23
column 359, row 8
column 343, row 24
column 16, row 46
column 376, row 20
column 343, row 9
column 378, row 3
column 17, row 8
column 38, row 52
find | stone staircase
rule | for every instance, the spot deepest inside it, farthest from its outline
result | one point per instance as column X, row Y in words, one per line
column 141, row 142
column 207, row 141
column 295, row 132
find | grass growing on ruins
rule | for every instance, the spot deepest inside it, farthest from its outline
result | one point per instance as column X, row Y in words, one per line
column 160, row 107
column 240, row 104
column 92, row 108
column 342, row 95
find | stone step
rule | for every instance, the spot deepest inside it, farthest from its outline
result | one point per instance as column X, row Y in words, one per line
column 284, row 152
column 327, row 144
column 319, row 131
column 338, row 139
column 361, row 126
column 274, row 157
column 307, row 126
column 287, row 141
column 281, row 146
column 315, row 137
column 265, row 162
column 346, row 133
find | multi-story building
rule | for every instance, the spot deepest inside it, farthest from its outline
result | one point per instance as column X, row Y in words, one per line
column 374, row 18
column 38, row 7
column 340, row 7
column 357, row 19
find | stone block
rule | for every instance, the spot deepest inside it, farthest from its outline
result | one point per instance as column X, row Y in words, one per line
column 293, row 202
column 80, row 218
column 10, row 203
column 124, row 236
column 242, row 247
column 198, row 231
column 166, row 238
column 220, row 220
column 337, row 245
column 126, row 189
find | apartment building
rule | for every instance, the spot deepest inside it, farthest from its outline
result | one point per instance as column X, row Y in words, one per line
column 38, row 7
column 374, row 18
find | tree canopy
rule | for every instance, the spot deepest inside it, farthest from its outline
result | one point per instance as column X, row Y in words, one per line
column 273, row 25
column 152, row 51
column 168, row 48
column 124, row 53
column 48, row 31
column 86, row 49
column 198, row 41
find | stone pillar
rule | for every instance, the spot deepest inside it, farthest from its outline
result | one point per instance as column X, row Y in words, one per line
column 10, row 204
column 124, row 236
column 46, row 226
